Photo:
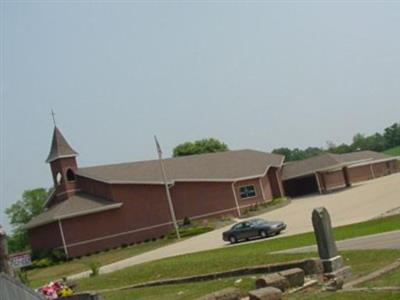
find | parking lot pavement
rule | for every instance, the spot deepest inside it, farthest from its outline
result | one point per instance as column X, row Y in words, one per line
column 356, row 204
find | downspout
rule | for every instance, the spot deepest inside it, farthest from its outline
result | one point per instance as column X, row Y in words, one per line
column 62, row 237
column 236, row 200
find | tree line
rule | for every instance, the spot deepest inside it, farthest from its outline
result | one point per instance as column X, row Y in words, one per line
column 376, row 142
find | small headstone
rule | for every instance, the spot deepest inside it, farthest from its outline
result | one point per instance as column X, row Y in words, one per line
column 295, row 276
column 267, row 293
column 273, row 280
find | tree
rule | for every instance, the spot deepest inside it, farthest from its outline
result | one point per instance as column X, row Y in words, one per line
column 21, row 213
column 392, row 135
column 200, row 146
column 298, row 154
column 285, row 152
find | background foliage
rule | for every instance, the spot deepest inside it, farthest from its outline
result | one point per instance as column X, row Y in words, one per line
column 376, row 142
column 21, row 212
column 200, row 146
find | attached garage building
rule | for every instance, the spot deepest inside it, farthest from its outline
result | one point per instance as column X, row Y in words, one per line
column 328, row 171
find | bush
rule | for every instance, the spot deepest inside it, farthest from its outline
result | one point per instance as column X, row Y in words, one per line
column 94, row 266
column 186, row 221
column 42, row 263
column 23, row 276
column 53, row 255
column 190, row 231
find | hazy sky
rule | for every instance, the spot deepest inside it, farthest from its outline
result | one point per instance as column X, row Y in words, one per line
column 256, row 75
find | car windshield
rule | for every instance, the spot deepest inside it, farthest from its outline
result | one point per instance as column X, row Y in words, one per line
column 258, row 221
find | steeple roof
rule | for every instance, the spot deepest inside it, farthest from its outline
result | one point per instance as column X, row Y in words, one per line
column 60, row 147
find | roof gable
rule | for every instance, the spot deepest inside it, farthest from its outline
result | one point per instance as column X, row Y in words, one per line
column 77, row 205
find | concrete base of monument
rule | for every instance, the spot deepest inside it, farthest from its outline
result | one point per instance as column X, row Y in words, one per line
column 332, row 264
column 344, row 273
column 335, row 273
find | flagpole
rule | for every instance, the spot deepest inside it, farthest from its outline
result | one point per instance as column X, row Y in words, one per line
column 171, row 207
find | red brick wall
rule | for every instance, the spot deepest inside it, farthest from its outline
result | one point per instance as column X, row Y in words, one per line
column 273, row 175
column 65, row 188
column 45, row 237
column 144, row 213
column 144, row 209
column 267, row 188
column 94, row 187
column 334, row 179
column 194, row 199
column 243, row 203
column 381, row 169
column 360, row 173
column 143, row 206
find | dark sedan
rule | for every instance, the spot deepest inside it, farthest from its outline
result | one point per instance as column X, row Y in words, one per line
column 253, row 228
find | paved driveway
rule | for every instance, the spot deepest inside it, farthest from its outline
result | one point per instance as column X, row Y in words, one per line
column 359, row 203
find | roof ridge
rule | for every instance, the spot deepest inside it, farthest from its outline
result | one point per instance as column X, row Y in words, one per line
column 180, row 158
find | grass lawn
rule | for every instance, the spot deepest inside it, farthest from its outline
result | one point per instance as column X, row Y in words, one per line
column 390, row 279
column 183, row 291
column 362, row 262
column 367, row 295
column 246, row 254
column 393, row 151
column 38, row 276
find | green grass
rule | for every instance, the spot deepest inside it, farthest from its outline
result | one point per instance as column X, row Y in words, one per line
column 367, row 295
column 242, row 255
column 202, row 262
column 390, row 279
column 38, row 277
column 393, row 151
column 362, row 262
column 183, row 291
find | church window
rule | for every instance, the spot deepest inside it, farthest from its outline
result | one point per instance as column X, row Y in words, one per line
column 58, row 178
column 70, row 175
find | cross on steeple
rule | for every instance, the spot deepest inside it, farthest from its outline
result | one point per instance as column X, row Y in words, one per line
column 54, row 118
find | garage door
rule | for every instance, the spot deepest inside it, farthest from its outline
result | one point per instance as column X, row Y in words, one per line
column 301, row 186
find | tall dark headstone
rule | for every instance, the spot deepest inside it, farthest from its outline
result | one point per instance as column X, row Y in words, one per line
column 331, row 260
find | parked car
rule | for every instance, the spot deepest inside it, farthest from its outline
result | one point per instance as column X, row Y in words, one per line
column 253, row 228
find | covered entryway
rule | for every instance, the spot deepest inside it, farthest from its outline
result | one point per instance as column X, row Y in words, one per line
column 301, row 186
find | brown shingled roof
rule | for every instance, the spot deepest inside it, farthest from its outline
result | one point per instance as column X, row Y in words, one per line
column 328, row 161
column 79, row 204
column 220, row 166
column 59, row 147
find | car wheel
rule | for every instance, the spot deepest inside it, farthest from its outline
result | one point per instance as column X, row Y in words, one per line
column 232, row 239
column 263, row 234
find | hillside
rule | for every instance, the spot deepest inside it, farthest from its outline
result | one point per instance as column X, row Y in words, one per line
column 393, row 151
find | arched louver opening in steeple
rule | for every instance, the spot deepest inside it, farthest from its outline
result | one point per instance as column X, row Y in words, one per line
column 58, row 178
column 70, row 175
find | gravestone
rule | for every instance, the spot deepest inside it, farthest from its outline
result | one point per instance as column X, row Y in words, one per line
column 331, row 260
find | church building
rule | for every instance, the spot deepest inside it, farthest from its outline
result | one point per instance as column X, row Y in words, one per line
column 102, row 207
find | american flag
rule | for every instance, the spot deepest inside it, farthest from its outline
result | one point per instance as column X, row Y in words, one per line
column 158, row 148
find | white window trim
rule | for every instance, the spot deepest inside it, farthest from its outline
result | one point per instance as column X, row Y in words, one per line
column 246, row 198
